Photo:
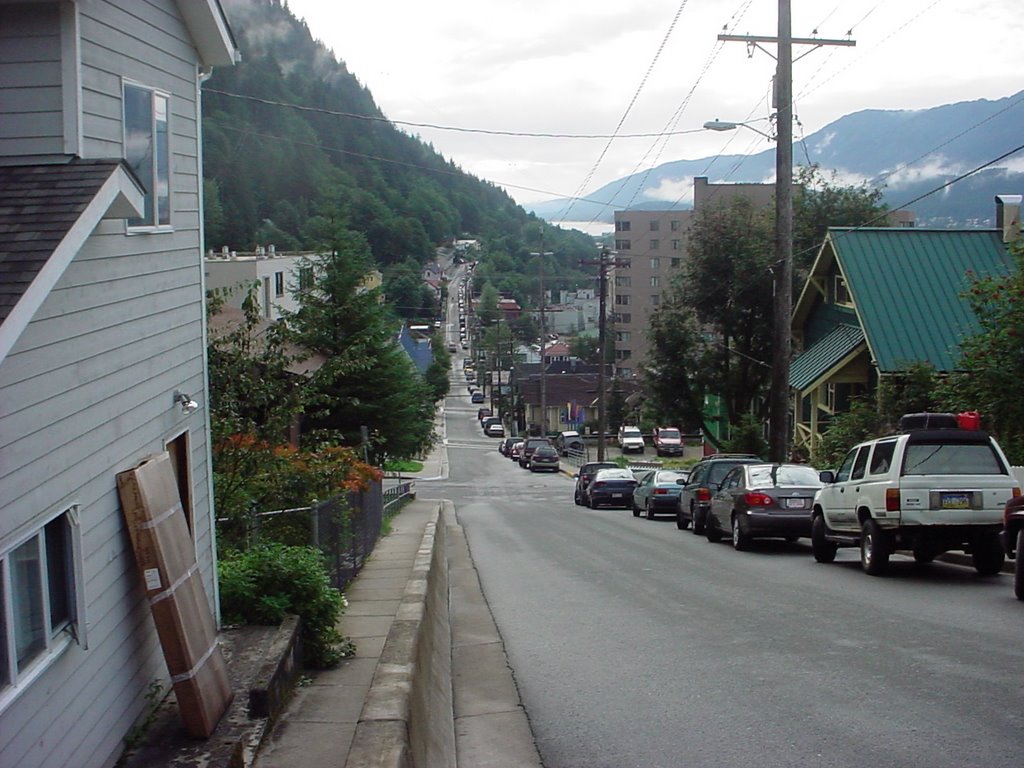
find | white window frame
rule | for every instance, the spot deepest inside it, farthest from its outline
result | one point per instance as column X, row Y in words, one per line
column 150, row 177
column 56, row 638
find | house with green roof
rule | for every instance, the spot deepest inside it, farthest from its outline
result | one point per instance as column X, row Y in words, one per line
column 878, row 300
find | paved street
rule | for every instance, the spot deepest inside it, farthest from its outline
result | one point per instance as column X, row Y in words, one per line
column 636, row 644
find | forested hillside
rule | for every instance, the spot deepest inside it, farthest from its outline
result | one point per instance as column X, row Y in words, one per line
column 295, row 149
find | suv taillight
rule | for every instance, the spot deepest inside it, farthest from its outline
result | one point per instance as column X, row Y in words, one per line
column 892, row 499
column 757, row 499
column 703, row 494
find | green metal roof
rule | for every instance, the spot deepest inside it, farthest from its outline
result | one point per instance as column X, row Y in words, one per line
column 906, row 284
column 814, row 362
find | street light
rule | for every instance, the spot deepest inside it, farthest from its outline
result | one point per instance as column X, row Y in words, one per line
column 725, row 125
column 778, row 396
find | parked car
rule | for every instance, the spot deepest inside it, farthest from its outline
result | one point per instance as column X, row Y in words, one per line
column 516, row 451
column 585, row 475
column 762, row 501
column 505, row 446
column 1013, row 540
column 495, row 429
column 668, row 441
column 928, row 490
column 705, row 477
column 658, row 492
column 488, row 421
column 544, row 459
column 612, row 487
column 483, row 413
column 569, row 440
column 530, row 445
column 477, row 397
column 630, row 439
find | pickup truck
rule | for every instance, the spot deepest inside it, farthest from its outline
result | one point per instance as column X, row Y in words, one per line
column 667, row 441
column 631, row 439
column 929, row 491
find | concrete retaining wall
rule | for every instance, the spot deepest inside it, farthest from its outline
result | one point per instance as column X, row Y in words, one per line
column 407, row 720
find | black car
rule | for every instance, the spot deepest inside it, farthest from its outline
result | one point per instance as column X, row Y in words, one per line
column 705, row 477
column 544, row 458
column 505, row 446
column 763, row 500
column 612, row 487
column 585, row 475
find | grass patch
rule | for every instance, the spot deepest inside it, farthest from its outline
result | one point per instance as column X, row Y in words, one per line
column 403, row 465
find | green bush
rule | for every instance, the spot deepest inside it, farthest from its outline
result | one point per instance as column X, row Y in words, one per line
column 268, row 581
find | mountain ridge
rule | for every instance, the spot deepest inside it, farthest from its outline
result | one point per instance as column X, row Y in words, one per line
column 907, row 153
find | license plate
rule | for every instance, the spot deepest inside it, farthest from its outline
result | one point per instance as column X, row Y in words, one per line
column 955, row 501
column 616, row 495
column 794, row 503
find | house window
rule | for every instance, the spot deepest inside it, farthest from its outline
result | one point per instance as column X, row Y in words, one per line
column 622, row 245
column 622, row 226
column 624, row 317
column 654, row 225
column 655, row 263
column 676, row 262
column 655, row 281
column 147, row 150
column 677, row 245
column 279, row 284
column 623, row 282
column 655, row 245
column 622, row 300
column 624, row 263
column 675, row 225
column 39, row 605
column 305, row 279
column 655, row 300
column 842, row 292
column 623, row 336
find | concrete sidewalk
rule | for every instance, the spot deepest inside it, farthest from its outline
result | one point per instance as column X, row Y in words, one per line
column 367, row 711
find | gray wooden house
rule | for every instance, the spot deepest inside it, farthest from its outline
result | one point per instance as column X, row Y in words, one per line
column 102, row 351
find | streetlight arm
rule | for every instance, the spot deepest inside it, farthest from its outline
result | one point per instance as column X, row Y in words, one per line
column 725, row 125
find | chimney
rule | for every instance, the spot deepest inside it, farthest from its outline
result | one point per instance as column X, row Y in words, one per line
column 1008, row 216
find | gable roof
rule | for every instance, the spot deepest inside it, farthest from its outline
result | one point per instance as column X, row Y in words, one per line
column 46, row 214
column 907, row 287
column 809, row 367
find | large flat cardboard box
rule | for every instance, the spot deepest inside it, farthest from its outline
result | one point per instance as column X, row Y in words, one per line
column 185, row 625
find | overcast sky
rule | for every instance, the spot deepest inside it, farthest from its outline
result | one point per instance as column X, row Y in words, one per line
column 578, row 67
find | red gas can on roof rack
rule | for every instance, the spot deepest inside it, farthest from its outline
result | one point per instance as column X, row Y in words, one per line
column 969, row 420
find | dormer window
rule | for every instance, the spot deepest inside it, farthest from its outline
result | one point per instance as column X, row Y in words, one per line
column 147, row 150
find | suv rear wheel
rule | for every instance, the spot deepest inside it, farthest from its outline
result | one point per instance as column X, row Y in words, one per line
column 1018, row 573
column 874, row 549
column 824, row 551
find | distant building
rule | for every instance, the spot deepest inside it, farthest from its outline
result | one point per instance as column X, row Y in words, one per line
column 275, row 277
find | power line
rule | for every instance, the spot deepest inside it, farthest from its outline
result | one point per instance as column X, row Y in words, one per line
column 439, row 127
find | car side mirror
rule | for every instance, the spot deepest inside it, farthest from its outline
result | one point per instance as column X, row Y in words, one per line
column 827, row 476
column 680, row 481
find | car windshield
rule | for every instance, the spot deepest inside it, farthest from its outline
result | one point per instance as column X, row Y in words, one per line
column 784, row 475
column 951, row 459
column 631, row 432
column 670, row 476
column 669, row 434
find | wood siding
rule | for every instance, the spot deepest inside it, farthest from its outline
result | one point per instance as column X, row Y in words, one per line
column 30, row 81
column 87, row 391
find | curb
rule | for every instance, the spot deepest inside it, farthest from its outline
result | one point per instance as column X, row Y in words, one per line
column 408, row 716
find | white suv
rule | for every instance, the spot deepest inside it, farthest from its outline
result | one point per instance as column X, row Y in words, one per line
column 924, row 490
column 631, row 439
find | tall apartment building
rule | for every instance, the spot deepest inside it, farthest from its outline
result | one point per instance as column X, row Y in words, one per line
column 651, row 248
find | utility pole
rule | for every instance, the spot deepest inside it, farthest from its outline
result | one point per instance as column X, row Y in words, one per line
column 604, row 264
column 782, row 332
column 541, row 254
